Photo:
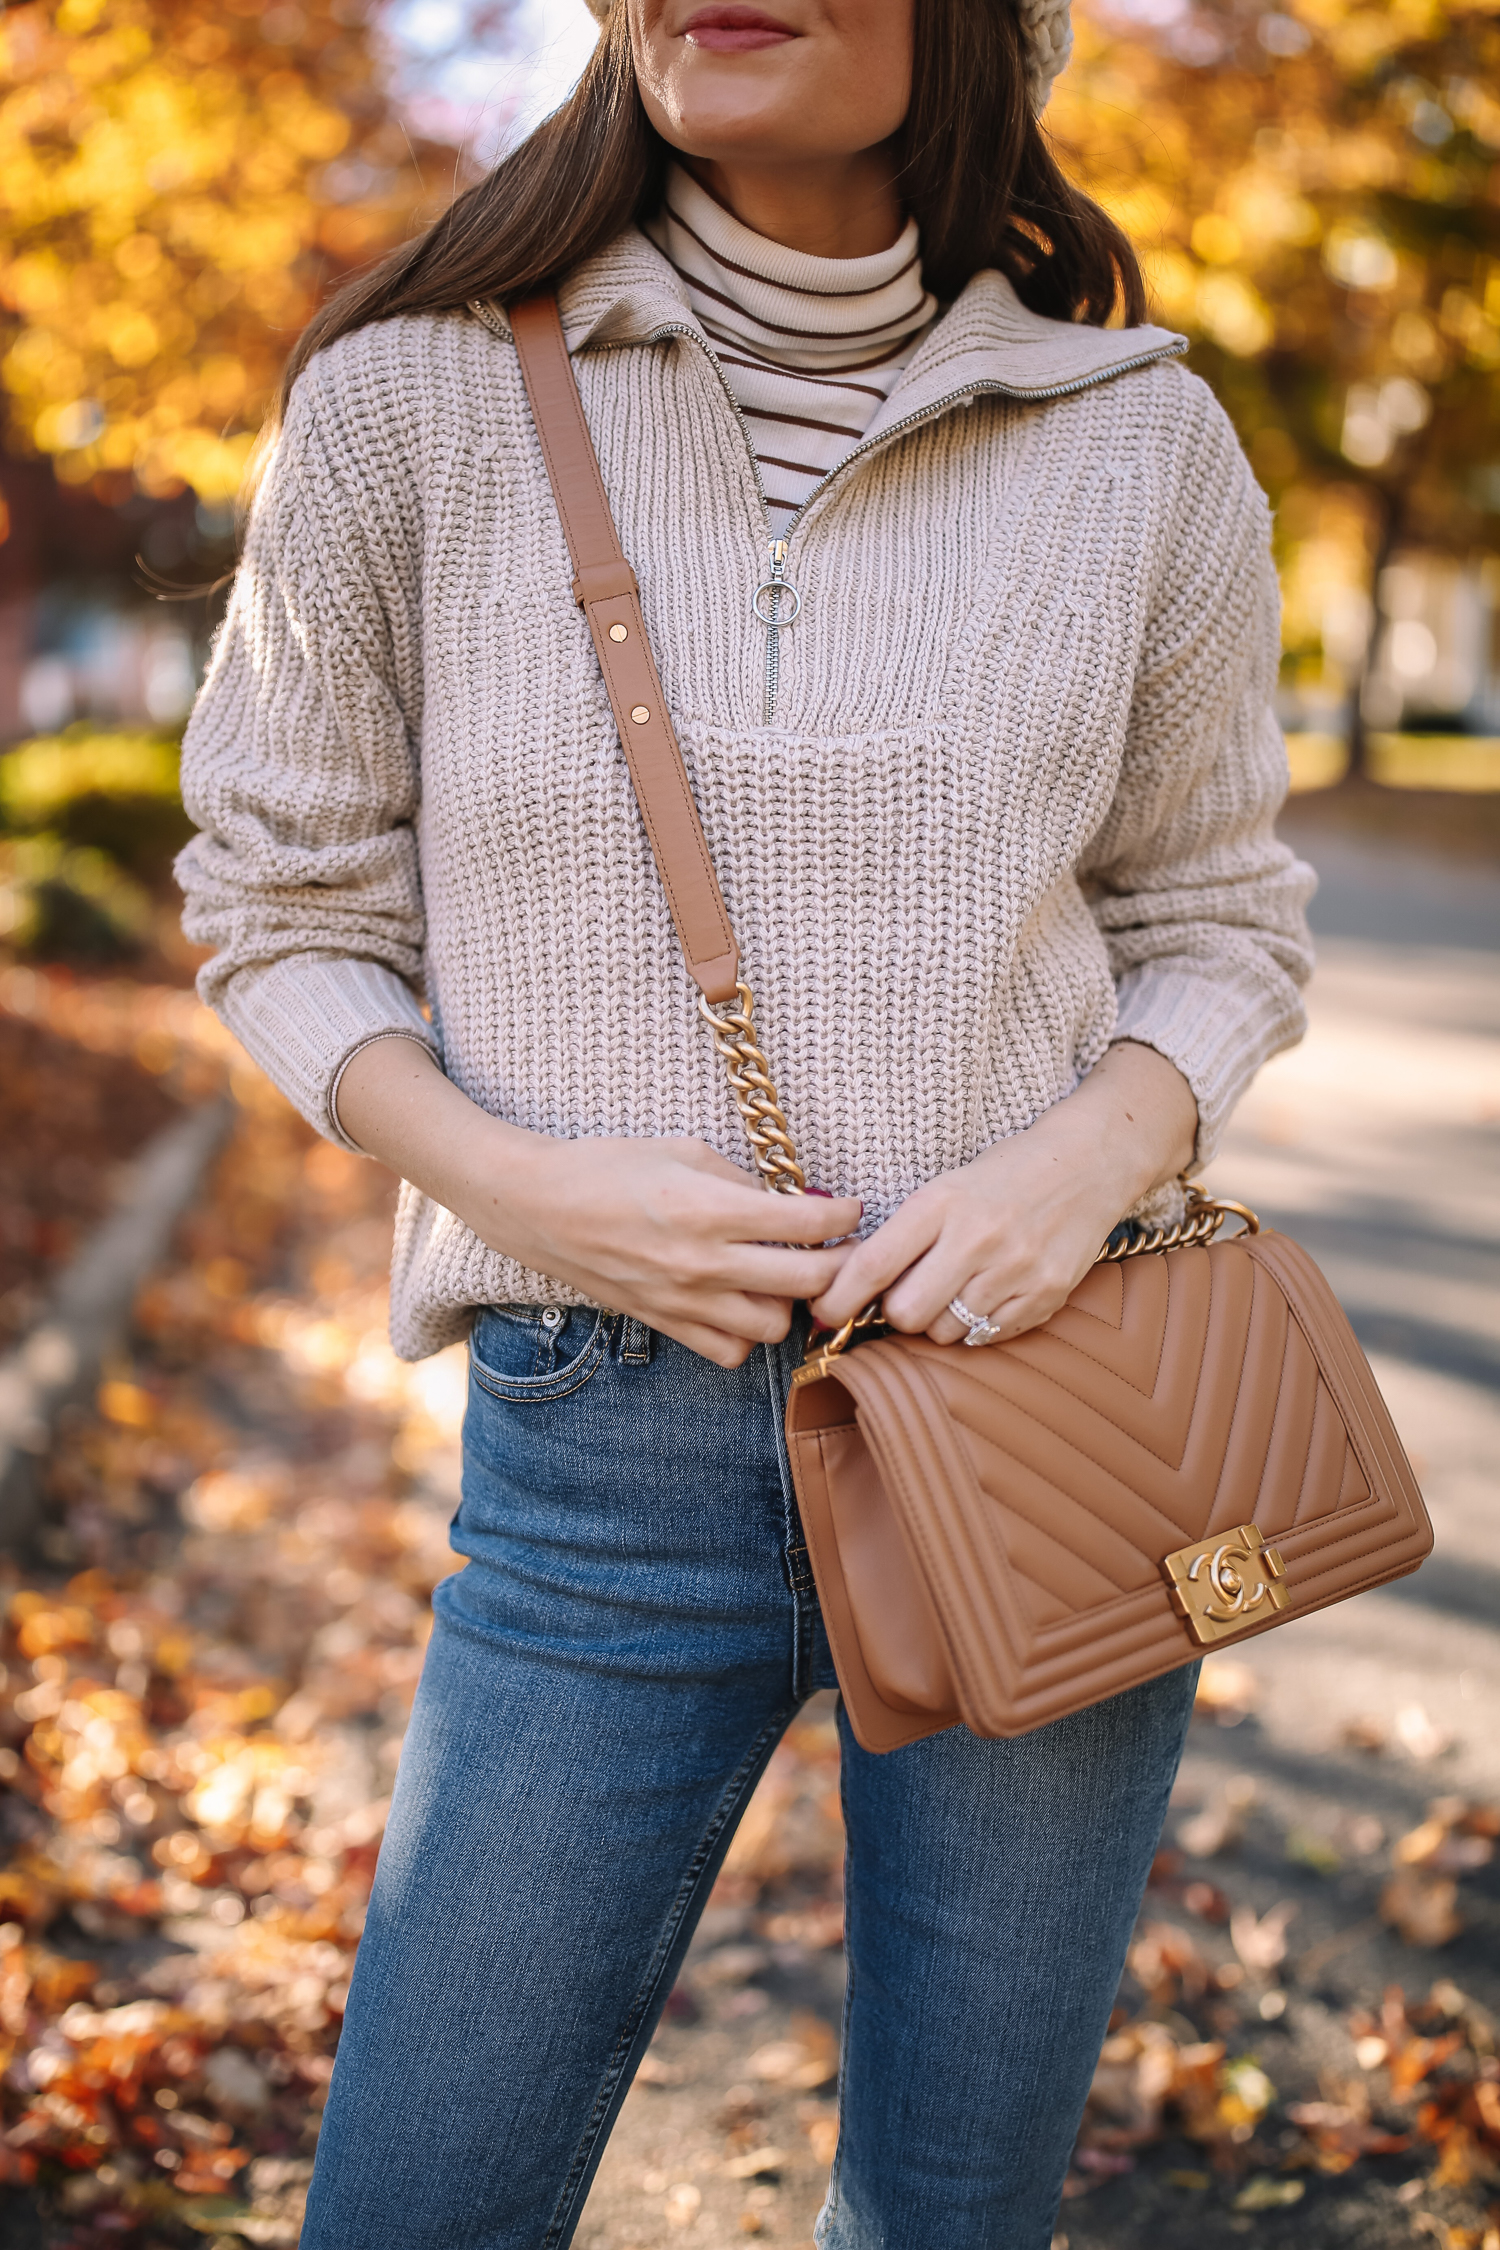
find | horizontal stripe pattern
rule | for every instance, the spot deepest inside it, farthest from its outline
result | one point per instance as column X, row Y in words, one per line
column 811, row 347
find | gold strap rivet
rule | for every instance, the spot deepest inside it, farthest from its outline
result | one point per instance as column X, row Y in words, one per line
column 640, row 714
column 619, row 632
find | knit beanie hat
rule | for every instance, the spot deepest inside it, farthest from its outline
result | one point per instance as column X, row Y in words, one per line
column 1046, row 33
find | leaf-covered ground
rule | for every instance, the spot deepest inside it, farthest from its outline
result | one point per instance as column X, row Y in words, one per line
column 206, row 1677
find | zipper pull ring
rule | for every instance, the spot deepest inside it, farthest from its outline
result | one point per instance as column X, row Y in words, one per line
column 775, row 586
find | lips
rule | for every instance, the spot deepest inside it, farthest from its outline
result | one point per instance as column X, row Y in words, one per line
column 732, row 29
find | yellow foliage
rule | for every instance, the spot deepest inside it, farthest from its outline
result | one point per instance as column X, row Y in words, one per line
column 1312, row 194
column 51, row 771
column 168, row 219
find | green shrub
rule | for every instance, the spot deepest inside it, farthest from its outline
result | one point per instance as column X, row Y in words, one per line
column 62, row 901
column 90, row 820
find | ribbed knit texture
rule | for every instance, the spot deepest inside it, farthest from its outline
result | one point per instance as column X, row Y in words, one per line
column 811, row 347
column 1017, row 796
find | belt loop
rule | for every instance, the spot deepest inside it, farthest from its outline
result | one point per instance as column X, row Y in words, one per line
column 635, row 1349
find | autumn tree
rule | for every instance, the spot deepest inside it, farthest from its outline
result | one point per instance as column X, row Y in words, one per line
column 1316, row 190
column 180, row 182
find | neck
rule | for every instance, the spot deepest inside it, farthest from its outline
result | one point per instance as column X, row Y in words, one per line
column 839, row 207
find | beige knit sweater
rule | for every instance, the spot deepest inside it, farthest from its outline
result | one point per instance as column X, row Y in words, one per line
column 1015, row 800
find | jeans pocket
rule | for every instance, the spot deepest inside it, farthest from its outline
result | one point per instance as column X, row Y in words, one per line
column 532, row 1353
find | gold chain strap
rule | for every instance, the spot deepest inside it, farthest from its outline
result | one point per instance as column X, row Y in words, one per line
column 761, row 1113
column 1201, row 1221
column 775, row 1157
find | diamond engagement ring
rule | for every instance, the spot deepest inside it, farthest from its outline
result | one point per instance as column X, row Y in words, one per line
column 980, row 1331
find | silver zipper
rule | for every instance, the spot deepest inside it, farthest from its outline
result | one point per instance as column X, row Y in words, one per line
column 772, row 588
column 776, row 584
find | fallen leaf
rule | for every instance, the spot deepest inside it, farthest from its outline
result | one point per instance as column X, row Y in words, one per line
column 818, row 1926
column 808, row 2059
column 1227, row 1690
column 758, row 2161
column 823, row 2135
column 1246, row 2093
column 1261, row 1943
column 1263, row 2193
column 1306, row 1848
column 1221, row 1824
column 1422, row 1908
column 1365, row 1733
column 1417, row 1846
column 1207, row 1901
column 1418, row 1736
column 1105, row 2164
column 1166, row 1963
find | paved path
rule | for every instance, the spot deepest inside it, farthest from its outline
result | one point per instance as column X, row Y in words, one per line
column 1376, row 1142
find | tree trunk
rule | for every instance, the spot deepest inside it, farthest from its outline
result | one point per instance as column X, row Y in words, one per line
column 1392, row 522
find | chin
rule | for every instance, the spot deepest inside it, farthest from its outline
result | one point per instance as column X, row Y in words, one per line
column 718, row 136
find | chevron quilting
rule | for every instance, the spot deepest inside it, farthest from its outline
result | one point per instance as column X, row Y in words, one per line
column 1032, row 1490
column 1137, row 1422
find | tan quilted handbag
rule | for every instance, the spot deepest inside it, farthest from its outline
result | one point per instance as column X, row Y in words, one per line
column 1191, row 1451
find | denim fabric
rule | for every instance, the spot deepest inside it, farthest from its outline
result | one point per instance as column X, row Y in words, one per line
column 606, row 1681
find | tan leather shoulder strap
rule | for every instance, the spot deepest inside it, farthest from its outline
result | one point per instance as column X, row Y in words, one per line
column 604, row 586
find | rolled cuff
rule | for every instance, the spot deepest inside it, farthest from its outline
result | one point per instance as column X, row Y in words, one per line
column 1216, row 1023
column 302, row 1019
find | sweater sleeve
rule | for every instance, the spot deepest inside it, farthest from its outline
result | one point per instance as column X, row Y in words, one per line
column 300, row 767
column 1202, row 909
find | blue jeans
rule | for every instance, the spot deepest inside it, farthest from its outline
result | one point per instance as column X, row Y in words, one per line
column 606, row 1681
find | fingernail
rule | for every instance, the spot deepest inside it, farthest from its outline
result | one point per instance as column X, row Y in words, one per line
column 821, row 1327
column 829, row 1197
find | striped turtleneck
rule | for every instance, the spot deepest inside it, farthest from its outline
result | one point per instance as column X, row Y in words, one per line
column 811, row 347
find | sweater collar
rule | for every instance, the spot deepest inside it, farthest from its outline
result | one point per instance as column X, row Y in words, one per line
column 986, row 340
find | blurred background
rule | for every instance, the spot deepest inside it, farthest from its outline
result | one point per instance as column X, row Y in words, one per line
column 223, row 1503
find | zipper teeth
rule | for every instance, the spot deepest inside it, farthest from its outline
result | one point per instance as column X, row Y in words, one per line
column 939, row 406
column 773, row 630
column 973, row 390
column 695, row 336
column 773, row 635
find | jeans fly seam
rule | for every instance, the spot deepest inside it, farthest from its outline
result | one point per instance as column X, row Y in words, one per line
column 804, row 1610
column 746, row 1772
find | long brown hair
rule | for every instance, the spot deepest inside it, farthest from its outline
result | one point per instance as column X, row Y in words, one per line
column 974, row 169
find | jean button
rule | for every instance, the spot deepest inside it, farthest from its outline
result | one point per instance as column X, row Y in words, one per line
column 553, row 1317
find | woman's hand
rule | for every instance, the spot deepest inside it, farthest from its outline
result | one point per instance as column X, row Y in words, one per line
column 666, row 1230
column 1013, row 1233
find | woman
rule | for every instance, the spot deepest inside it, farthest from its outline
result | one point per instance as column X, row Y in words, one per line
column 993, row 820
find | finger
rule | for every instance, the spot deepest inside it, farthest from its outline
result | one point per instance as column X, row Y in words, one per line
column 743, row 1212
column 878, row 1262
column 798, row 1218
column 754, row 1317
column 715, row 1344
column 1012, row 1316
column 727, row 1332
column 920, row 1298
column 766, row 1270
